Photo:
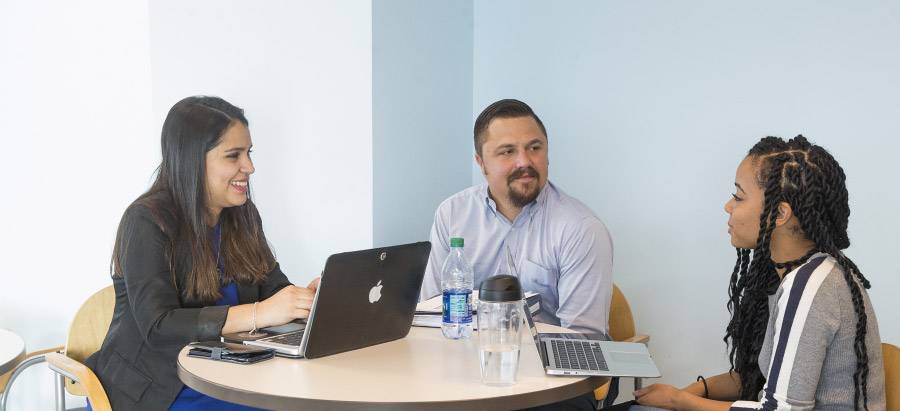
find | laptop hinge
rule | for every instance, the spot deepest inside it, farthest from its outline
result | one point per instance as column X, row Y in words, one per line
column 309, row 322
column 544, row 354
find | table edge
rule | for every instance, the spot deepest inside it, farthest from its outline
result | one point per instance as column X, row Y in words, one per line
column 277, row 402
column 12, row 364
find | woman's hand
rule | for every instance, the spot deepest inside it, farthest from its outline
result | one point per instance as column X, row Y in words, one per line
column 287, row 304
column 314, row 284
column 659, row 396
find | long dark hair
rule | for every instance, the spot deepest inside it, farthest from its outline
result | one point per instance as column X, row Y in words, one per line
column 812, row 182
column 178, row 202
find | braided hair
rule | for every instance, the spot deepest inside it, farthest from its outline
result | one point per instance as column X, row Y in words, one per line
column 810, row 180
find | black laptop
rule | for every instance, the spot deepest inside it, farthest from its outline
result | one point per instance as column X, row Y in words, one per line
column 365, row 298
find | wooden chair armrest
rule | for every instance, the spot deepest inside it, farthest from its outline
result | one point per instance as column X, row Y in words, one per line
column 643, row 339
column 81, row 373
column 601, row 392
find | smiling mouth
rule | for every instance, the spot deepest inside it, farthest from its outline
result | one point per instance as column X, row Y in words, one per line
column 240, row 186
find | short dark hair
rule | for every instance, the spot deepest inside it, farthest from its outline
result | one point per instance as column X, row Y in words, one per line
column 506, row 108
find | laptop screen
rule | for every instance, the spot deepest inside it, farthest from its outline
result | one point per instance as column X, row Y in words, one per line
column 534, row 334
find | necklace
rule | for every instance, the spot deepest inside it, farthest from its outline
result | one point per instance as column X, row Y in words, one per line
column 789, row 266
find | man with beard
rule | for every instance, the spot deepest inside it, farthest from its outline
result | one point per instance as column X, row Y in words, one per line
column 559, row 249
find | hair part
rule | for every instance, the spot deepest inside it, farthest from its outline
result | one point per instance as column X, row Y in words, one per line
column 178, row 202
column 810, row 180
column 506, row 108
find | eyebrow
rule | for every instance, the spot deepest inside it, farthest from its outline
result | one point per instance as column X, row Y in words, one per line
column 739, row 187
column 509, row 145
column 236, row 149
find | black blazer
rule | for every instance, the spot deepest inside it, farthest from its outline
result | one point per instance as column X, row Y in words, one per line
column 153, row 321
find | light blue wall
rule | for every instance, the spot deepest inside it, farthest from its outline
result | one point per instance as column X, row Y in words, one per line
column 422, row 108
column 650, row 105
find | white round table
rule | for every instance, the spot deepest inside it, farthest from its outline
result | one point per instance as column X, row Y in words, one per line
column 422, row 371
column 12, row 350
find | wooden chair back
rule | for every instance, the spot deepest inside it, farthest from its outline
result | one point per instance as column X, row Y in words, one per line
column 621, row 322
column 891, row 355
column 88, row 329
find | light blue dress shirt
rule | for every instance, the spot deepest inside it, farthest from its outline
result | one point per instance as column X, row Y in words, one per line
column 560, row 249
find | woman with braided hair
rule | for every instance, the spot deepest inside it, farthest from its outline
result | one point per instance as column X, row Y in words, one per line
column 802, row 333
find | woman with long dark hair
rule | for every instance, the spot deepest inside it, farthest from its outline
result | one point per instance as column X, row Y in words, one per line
column 190, row 261
column 802, row 333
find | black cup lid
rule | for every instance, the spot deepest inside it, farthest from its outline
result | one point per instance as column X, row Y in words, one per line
column 500, row 288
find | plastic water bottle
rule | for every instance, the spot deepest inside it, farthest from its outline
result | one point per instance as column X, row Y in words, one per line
column 457, row 280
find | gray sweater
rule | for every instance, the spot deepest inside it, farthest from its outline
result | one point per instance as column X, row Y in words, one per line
column 807, row 355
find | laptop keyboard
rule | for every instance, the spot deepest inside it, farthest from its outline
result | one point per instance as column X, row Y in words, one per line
column 292, row 338
column 578, row 355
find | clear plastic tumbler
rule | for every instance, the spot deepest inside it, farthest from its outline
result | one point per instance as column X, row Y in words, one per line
column 499, row 329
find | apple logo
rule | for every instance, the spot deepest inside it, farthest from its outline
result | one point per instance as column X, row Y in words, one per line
column 375, row 293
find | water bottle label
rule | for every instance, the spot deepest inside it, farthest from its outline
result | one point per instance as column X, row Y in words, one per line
column 457, row 306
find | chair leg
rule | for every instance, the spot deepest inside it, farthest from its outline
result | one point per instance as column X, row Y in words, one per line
column 15, row 374
column 610, row 395
column 60, row 392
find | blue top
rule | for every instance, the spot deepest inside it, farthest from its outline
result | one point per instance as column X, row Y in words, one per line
column 188, row 398
column 560, row 249
column 229, row 291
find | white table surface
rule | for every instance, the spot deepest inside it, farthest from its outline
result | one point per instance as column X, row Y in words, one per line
column 12, row 350
column 422, row 371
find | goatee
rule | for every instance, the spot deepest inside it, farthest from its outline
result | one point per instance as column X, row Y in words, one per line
column 521, row 199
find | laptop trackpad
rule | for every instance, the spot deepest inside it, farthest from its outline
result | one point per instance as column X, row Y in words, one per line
column 628, row 357
column 285, row 328
column 632, row 364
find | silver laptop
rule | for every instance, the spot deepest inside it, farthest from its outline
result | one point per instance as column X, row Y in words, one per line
column 564, row 354
column 365, row 298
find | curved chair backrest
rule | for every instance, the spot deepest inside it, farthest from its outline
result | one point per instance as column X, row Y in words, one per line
column 88, row 329
column 621, row 322
column 891, row 375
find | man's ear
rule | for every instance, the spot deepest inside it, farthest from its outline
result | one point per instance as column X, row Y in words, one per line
column 785, row 212
column 480, row 162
